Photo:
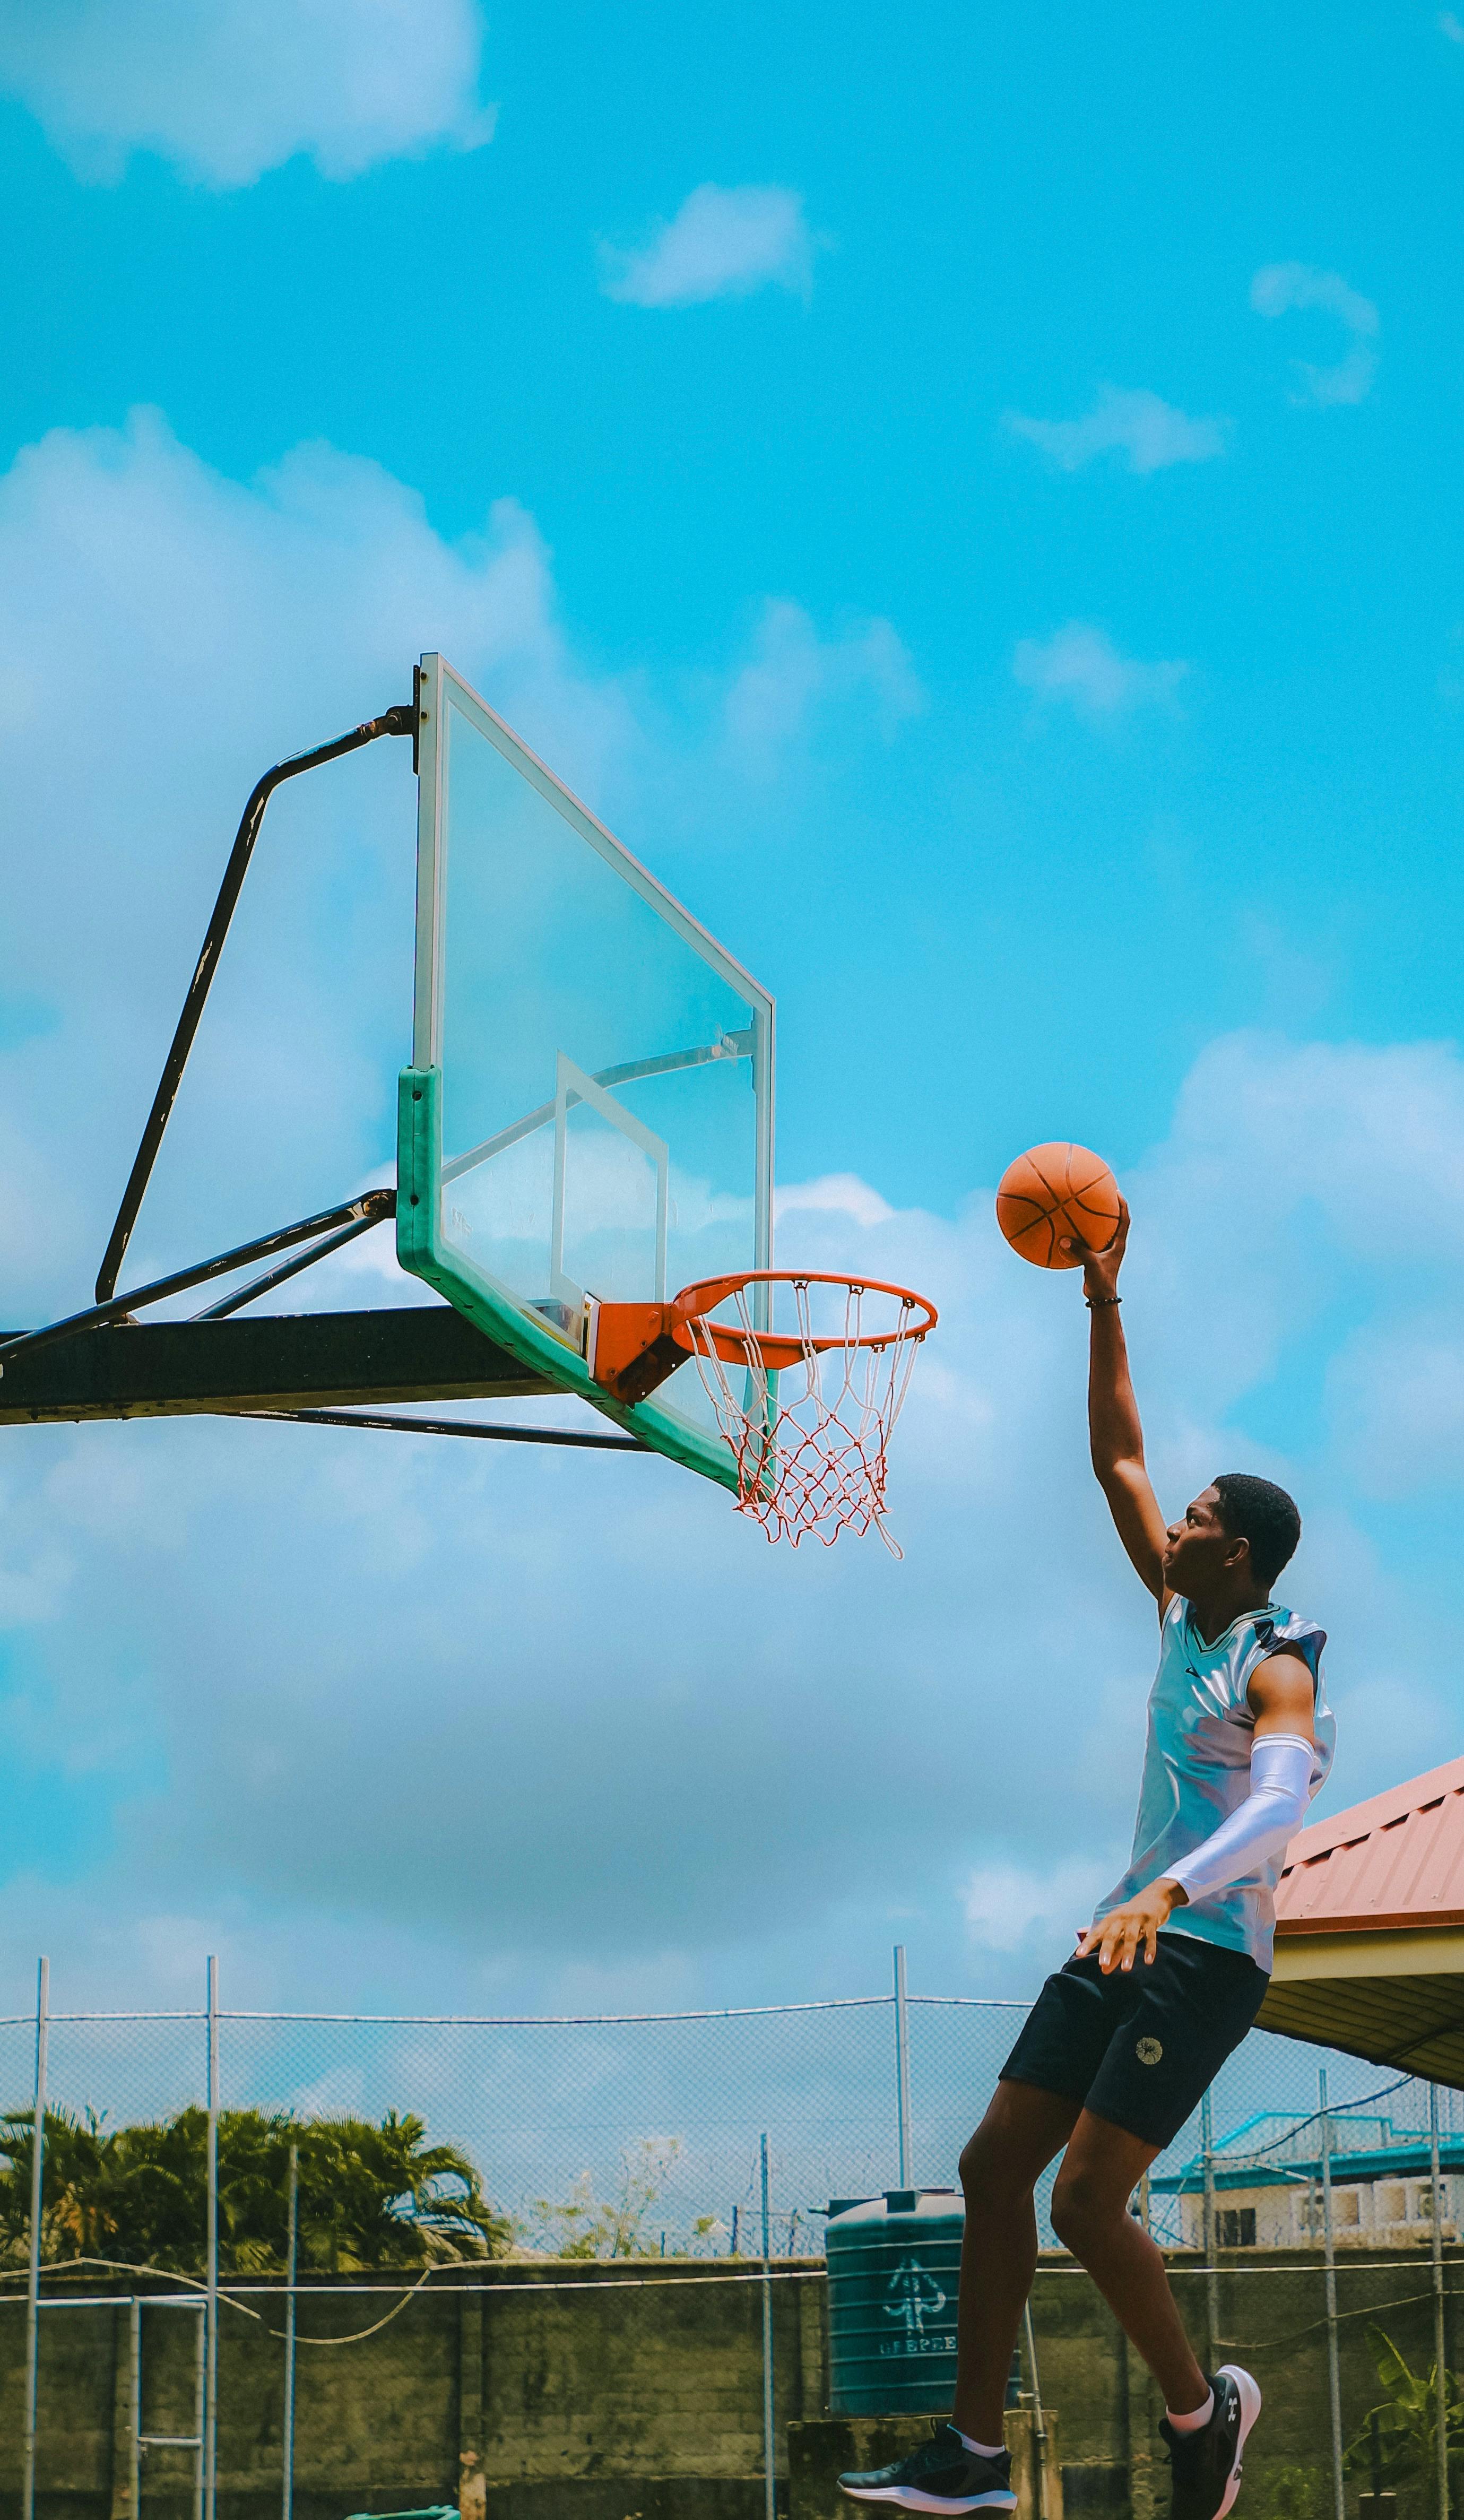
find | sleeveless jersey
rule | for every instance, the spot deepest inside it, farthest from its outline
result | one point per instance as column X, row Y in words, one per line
column 1197, row 1766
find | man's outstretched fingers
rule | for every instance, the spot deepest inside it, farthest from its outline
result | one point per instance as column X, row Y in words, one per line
column 1112, row 1249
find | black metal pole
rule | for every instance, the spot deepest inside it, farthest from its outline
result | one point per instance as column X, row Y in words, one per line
column 397, row 721
column 394, row 1426
column 242, row 1296
column 370, row 1209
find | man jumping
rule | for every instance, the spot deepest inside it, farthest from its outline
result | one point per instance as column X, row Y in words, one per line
column 1112, row 2057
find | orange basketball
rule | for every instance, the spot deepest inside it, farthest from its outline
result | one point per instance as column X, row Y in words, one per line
column 1052, row 1192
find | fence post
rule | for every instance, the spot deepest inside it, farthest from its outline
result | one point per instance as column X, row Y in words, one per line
column 902, row 2067
column 135, row 2445
column 34, row 2283
column 200, row 2409
column 769, row 2473
column 1334, row 2369
column 1207, row 2235
column 1039, row 2420
column 287, row 2428
column 1441, row 2374
column 211, row 2297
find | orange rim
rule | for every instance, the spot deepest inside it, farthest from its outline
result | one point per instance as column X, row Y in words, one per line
column 778, row 1349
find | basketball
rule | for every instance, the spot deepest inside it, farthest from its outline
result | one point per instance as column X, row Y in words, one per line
column 1052, row 1192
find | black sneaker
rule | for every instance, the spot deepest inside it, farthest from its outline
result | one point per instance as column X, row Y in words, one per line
column 1207, row 2464
column 942, row 2475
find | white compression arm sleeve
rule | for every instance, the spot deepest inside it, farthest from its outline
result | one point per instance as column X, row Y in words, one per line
column 1261, row 1827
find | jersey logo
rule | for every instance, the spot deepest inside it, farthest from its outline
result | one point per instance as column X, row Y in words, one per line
column 1148, row 2051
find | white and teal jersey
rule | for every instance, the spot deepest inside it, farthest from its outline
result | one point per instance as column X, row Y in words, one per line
column 1197, row 1766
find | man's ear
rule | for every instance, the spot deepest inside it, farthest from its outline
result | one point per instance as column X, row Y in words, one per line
column 1233, row 1553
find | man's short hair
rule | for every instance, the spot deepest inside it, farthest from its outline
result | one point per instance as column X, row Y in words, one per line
column 1258, row 1511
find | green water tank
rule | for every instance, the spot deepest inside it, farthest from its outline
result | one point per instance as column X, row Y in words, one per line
column 894, row 2266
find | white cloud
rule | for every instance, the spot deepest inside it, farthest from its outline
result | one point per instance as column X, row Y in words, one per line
column 835, row 1194
column 1342, row 1135
column 1151, row 433
column 1285, row 288
column 1008, row 1906
column 1353, row 1129
column 171, row 590
column 277, row 1561
column 226, row 89
column 1397, row 1390
column 726, row 241
column 1080, row 664
column 285, row 1580
column 1450, row 27
column 578, row 1804
column 793, row 676
column 175, row 594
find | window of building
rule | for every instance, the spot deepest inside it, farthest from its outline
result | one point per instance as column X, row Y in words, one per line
column 1237, row 2227
column 1393, row 2205
column 1347, row 2205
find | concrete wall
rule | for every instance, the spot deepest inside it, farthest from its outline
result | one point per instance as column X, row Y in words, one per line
column 553, row 2392
column 558, row 2386
column 1271, row 2315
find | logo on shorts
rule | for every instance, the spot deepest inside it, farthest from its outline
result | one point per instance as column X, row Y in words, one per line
column 1148, row 2051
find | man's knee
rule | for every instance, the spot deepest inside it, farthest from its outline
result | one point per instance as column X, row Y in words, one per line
column 995, row 2164
column 1083, row 2208
column 979, row 2161
column 1022, row 2130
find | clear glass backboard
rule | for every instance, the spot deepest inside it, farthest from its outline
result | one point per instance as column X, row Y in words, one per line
column 589, row 1110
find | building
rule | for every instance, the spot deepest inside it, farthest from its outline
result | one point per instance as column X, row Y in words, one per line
column 1370, row 1930
column 1267, row 2178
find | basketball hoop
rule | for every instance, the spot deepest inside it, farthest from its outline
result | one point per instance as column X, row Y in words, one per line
column 808, row 1413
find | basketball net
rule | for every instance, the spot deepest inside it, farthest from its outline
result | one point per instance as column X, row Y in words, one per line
column 810, row 1440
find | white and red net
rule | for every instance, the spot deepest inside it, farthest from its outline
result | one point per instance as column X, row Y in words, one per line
column 810, row 1433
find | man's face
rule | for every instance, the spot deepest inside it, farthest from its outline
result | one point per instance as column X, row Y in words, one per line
column 1197, row 1549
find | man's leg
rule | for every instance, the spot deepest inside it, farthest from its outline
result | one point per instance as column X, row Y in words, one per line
column 1022, row 2130
column 1102, row 2169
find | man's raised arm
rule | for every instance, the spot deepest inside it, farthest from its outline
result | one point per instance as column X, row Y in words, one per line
column 1113, row 1423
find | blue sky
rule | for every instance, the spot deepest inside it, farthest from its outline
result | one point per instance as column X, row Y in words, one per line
column 976, row 506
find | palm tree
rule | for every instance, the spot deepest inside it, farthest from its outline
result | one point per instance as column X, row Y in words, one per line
column 369, row 2195
column 379, row 2196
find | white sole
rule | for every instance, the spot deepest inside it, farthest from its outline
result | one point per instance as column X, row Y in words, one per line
column 1249, row 2409
column 910, row 2498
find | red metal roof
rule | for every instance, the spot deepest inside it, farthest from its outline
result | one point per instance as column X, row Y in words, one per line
column 1397, row 1860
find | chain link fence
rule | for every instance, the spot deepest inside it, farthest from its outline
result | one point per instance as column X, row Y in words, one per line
column 300, row 2262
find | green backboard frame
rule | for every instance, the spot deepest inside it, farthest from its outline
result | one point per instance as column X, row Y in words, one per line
column 585, row 1038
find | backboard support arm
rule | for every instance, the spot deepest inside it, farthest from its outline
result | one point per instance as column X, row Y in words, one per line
column 401, row 720
column 400, row 1355
column 277, row 1276
column 355, row 1215
column 569, row 1437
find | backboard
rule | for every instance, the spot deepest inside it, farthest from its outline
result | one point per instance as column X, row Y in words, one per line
column 589, row 1110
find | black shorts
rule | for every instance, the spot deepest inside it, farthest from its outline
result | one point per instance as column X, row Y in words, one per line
column 1140, row 2049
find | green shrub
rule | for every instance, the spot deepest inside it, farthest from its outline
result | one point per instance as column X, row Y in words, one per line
column 1298, row 2493
column 1407, row 2420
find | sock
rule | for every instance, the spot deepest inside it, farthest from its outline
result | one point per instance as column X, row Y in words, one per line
column 982, row 2449
column 1194, row 2423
